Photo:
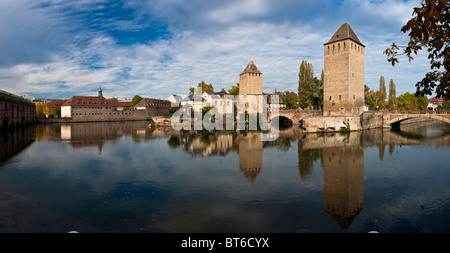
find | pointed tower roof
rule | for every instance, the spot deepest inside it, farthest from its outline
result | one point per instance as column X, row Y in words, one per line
column 344, row 32
column 251, row 68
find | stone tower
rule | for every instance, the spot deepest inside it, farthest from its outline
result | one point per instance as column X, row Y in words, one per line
column 250, row 80
column 100, row 92
column 343, row 89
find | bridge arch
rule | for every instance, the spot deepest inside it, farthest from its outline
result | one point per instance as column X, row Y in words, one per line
column 283, row 120
column 395, row 123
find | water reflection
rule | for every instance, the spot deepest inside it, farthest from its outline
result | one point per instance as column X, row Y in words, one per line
column 154, row 160
column 14, row 141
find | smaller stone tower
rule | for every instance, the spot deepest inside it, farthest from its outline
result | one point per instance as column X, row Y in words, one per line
column 100, row 93
column 250, row 80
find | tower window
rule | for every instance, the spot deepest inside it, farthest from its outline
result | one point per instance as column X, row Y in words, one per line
column 339, row 47
column 333, row 48
column 339, row 97
column 330, row 97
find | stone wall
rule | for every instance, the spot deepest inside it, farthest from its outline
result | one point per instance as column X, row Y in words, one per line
column 331, row 123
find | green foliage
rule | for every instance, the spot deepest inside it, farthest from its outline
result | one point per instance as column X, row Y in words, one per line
column 136, row 99
column 317, row 92
column 445, row 105
column 376, row 100
column 410, row 102
column 305, row 82
column 392, row 100
column 205, row 109
column 204, row 86
column 428, row 29
column 289, row 99
column 172, row 110
column 234, row 90
column 382, row 85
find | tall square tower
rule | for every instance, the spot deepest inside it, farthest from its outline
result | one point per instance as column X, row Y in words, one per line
column 343, row 89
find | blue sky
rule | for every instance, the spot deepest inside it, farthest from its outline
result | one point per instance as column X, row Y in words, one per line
column 62, row 48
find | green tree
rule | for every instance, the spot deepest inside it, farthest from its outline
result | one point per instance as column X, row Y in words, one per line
column 234, row 90
column 382, row 85
column 317, row 92
column 392, row 96
column 428, row 29
column 366, row 89
column 289, row 99
column 445, row 105
column 136, row 99
column 204, row 86
column 375, row 100
column 410, row 102
column 305, row 82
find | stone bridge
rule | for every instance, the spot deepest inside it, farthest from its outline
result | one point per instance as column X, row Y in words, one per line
column 393, row 119
column 293, row 115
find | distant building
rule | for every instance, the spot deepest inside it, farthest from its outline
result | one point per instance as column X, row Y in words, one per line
column 98, row 108
column 195, row 101
column 218, row 100
column 154, row 107
column 174, row 99
column 343, row 89
column 15, row 110
column 125, row 104
column 434, row 103
column 55, row 107
column 274, row 104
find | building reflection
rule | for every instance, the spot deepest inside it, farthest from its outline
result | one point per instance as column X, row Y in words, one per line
column 250, row 156
column 80, row 135
column 14, row 141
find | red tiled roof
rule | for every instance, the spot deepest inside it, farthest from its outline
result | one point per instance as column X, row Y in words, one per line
column 90, row 101
column 123, row 103
column 56, row 103
column 435, row 100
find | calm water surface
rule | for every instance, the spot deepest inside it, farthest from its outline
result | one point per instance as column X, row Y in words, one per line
column 127, row 177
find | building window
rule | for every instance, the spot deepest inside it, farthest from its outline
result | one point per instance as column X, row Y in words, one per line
column 354, row 97
column 330, row 98
column 339, row 97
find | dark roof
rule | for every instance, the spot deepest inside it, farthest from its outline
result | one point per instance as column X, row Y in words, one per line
column 89, row 101
column 251, row 68
column 152, row 102
column 193, row 97
column 344, row 32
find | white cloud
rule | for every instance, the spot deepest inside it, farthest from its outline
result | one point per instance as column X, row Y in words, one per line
column 215, row 52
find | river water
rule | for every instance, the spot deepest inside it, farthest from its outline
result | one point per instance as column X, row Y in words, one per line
column 127, row 177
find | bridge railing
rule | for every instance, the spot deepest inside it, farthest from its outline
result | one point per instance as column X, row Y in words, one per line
column 419, row 112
